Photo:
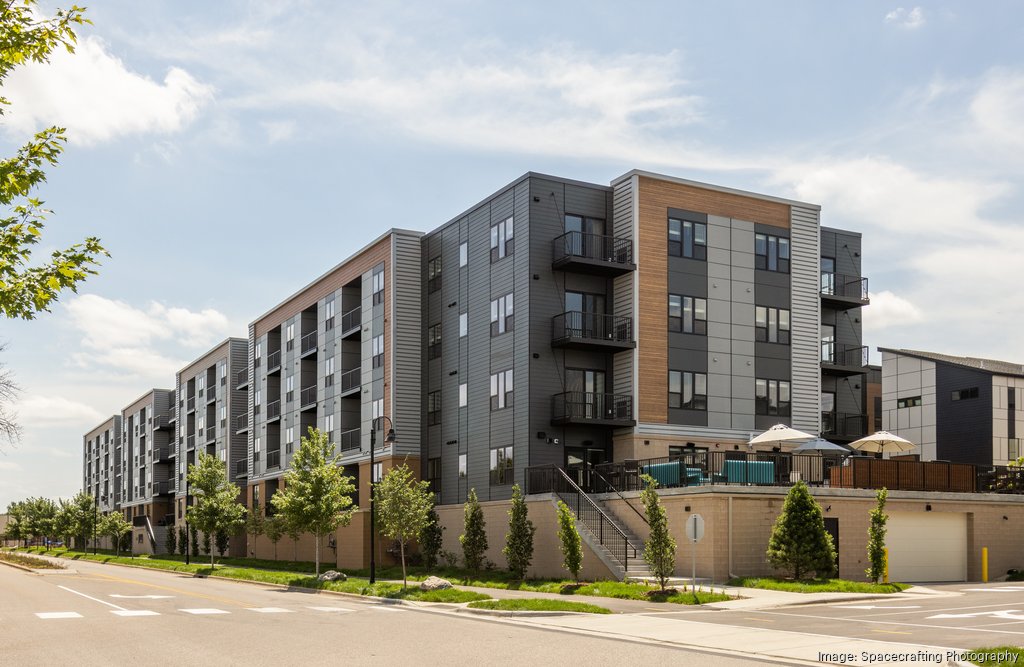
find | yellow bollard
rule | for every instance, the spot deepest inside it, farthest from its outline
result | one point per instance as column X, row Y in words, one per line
column 984, row 565
column 885, row 567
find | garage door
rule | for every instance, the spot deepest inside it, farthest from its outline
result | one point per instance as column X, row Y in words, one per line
column 927, row 546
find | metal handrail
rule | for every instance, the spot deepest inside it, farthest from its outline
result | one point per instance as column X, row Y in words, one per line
column 351, row 379
column 308, row 342
column 273, row 359
column 583, row 326
column 593, row 246
column 274, row 459
column 274, row 409
column 241, row 378
column 837, row 284
column 351, row 319
column 241, row 468
column 350, row 440
column 623, row 498
column 241, row 421
column 307, row 396
column 590, row 406
column 838, row 354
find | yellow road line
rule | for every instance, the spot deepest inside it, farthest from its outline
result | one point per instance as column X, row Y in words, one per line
column 762, row 620
column 167, row 588
column 891, row 632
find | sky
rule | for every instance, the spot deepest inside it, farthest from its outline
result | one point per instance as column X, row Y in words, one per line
column 228, row 153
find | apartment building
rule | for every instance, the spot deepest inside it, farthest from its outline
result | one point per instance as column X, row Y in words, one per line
column 211, row 415
column 101, row 464
column 147, row 457
column 337, row 355
column 957, row 409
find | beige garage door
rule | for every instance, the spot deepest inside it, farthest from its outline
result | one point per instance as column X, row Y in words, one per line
column 927, row 546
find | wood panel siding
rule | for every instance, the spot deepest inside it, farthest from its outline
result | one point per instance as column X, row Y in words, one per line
column 716, row 202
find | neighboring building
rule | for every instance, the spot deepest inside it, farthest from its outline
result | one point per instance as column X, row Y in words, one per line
column 101, row 466
column 958, row 409
column 147, row 457
column 211, row 414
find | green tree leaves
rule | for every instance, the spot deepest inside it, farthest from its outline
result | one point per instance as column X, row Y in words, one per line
column 799, row 540
column 519, row 539
column 403, row 508
column 216, row 507
column 474, row 537
column 660, row 549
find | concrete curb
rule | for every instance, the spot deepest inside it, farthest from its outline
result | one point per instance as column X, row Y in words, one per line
column 504, row 613
column 18, row 567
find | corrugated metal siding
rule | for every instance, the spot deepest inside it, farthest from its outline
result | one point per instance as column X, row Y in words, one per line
column 806, row 318
column 624, row 299
column 407, row 347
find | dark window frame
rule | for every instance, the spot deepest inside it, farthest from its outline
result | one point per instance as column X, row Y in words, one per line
column 688, row 238
column 769, row 400
column 688, row 321
column 502, row 389
column 502, row 239
column 502, row 464
column 908, row 402
column 434, row 341
column 964, row 394
column 434, row 408
column 434, row 274
column 378, row 291
column 503, row 314
column 689, row 381
column 769, row 254
column 763, row 333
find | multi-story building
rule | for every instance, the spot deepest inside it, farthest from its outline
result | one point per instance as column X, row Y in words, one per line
column 211, row 414
column 101, row 465
column 337, row 355
column 147, row 457
column 957, row 409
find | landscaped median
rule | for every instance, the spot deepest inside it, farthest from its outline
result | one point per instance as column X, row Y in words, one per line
column 22, row 560
column 539, row 604
column 817, row 585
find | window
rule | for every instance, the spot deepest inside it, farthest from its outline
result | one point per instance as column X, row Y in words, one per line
column 256, row 443
column 909, row 402
column 687, row 390
column 687, row 314
column 772, row 397
column 329, row 424
column 378, row 351
column 378, row 288
column 200, row 383
column 463, row 254
column 828, row 275
column 222, row 371
column 463, row 395
column 771, row 253
column 289, row 337
column 501, row 466
column 377, row 409
column 1011, row 417
column 377, row 473
column 329, row 372
column 434, row 408
column 289, row 435
column 434, row 274
column 462, row 466
column 434, row 474
column 771, row 325
column 289, row 388
column 223, row 415
column 257, row 397
column 502, row 317
column 501, row 390
column 687, row 239
column 257, row 354
column 329, row 315
column 501, row 239
column 964, row 394
column 434, row 341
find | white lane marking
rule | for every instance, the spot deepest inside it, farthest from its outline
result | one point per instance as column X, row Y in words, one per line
column 204, row 611
column 1001, row 589
column 141, row 597
column 59, row 614
column 339, row 610
column 870, row 606
column 384, row 609
column 109, row 604
column 270, row 610
column 909, row 625
column 135, row 612
column 1004, row 613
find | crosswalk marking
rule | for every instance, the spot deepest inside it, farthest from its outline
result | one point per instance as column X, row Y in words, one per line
column 199, row 612
column 339, row 610
column 271, row 610
column 135, row 612
column 384, row 608
column 59, row 614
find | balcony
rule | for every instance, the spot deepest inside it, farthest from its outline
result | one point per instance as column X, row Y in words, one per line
column 241, row 423
column 190, row 442
column 211, row 394
column 843, row 426
column 352, row 322
column 580, row 330
column 162, row 423
column 844, row 292
column 351, row 381
column 274, row 459
column 307, row 398
column 579, row 407
column 843, row 360
column 190, row 404
column 273, row 362
column 350, row 441
column 308, row 344
column 163, row 454
column 242, row 379
column 592, row 253
column 274, row 410
column 162, row 488
column 241, row 469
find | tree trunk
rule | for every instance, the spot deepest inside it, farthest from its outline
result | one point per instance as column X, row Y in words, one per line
column 317, row 555
column 401, row 549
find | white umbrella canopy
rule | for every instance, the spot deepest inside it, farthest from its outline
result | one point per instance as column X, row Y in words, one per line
column 780, row 433
column 883, row 441
column 820, row 446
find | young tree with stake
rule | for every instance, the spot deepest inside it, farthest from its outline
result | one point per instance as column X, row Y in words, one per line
column 876, row 537
column 660, row 549
column 569, row 539
column 519, row 539
column 474, row 539
column 216, row 508
column 403, row 508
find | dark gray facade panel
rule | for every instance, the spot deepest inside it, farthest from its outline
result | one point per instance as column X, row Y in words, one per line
column 963, row 428
column 772, row 369
column 683, row 359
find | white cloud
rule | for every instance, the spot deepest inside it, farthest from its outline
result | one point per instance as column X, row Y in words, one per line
column 997, row 110
column 888, row 310
column 9, row 465
column 56, row 410
column 278, row 130
column 910, row 19
column 94, row 95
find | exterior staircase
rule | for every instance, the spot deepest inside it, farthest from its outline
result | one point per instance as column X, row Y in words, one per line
column 636, row 568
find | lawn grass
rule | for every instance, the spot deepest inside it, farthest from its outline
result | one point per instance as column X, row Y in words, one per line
column 1014, row 655
column 817, row 585
column 539, row 604
column 29, row 561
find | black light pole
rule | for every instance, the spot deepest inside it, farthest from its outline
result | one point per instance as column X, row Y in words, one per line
column 389, row 439
column 187, row 533
column 95, row 523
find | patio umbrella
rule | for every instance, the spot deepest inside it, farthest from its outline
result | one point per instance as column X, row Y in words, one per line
column 820, row 446
column 778, row 434
column 883, row 441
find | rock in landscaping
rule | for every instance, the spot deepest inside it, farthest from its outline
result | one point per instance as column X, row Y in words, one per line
column 332, row 575
column 435, row 584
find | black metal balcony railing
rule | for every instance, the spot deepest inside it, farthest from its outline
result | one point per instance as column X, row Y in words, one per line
column 190, row 404
column 351, row 321
column 162, row 453
column 274, row 459
column 844, row 356
column 577, row 328
column 580, row 407
column 191, row 442
column 162, row 488
column 241, row 422
column 351, row 380
column 852, row 288
column 308, row 343
column 211, row 394
column 241, row 468
column 350, row 440
column 274, row 409
column 241, row 379
column 273, row 361
column 594, row 253
column 161, row 422
column 307, row 397
column 844, row 425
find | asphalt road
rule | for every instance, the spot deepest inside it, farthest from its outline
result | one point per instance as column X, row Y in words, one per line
column 103, row 615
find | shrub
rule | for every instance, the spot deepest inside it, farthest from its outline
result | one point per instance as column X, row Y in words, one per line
column 182, row 541
column 569, row 537
column 660, row 550
column 474, row 539
column 876, row 538
column 172, row 540
column 799, row 541
column 519, row 540
column 430, row 539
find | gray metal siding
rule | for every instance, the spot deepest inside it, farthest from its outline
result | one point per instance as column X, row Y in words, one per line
column 805, row 319
column 407, row 348
column 963, row 429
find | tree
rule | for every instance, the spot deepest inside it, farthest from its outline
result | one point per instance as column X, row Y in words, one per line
column 216, row 507
column 255, row 525
column 431, row 538
column 317, row 494
column 38, row 515
column 83, row 517
column 569, row 538
column 474, row 539
column 660, row 549
column 519, row 539
column 172, row 540
column 10, row 430
column 115, row 526
column 274, row 529
column 403, row 508
column 876, row 537
column 220, row 539
column 206, row 546
column 193, row 534
column 182, row 540
column 16, row 520
column 64, row 521
column 799, row 540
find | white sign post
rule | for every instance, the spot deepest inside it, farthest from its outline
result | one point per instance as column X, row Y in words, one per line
column 694, row 533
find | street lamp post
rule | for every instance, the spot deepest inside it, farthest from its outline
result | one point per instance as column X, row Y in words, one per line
column 388, row 439
column 95, row 523
column 187, row 533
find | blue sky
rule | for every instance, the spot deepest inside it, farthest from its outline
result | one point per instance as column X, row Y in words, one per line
column 227, row 153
